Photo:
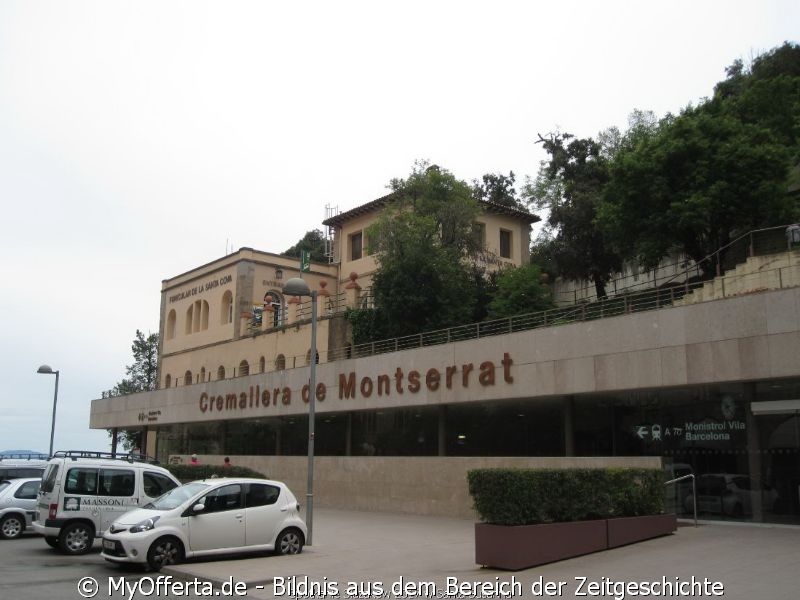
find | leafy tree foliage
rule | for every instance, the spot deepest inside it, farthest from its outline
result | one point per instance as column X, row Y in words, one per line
column 498, row 189
column 142, row 376
column 570, row 186
column 433, row 193
column 422, row 244
column 421, row 284
column 313, row 242
column 519, row 290
column 713, row 172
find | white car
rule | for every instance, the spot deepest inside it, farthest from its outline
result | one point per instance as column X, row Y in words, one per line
column 205, row 518
column 17, row 505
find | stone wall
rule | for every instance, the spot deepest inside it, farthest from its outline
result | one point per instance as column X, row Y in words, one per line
column 425, row 485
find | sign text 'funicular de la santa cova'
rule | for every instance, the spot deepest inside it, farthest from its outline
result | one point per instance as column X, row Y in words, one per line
column 350, row 386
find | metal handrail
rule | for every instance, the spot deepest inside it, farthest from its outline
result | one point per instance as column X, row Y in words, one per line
column 694, row 491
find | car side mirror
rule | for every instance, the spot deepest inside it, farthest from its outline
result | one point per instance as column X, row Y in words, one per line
column 198, row 508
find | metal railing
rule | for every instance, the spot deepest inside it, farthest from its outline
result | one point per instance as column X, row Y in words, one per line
column 694, row 491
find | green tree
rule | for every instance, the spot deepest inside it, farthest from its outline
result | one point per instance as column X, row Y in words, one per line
column 498, row 189
column 431, row 192
column 713, row 172
column 519, row 290
column 423, row 243
column 142, row 376
column 570, row 186
column 420, row 283
column 313, row 242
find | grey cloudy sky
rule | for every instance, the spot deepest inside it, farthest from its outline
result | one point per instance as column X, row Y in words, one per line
column 140, row 139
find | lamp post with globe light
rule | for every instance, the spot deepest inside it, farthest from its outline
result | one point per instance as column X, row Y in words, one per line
column 47, row 370
column 298, row 287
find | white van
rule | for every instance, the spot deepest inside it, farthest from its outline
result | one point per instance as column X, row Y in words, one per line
column 14, row 466
column 82, row 493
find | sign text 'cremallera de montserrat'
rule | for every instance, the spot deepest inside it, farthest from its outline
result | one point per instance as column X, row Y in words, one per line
column 350, row 386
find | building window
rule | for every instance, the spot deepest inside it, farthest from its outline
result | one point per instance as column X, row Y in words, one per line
column 505, row 243
column 278, row 273
column 202, row 373
column 262, row 364
column 280, row 362
column 356, row 242
column 308, row 357
column 244, row 368
column 221, row 372
column 171, row 318
column 168, row 380
column 187, row 378
column 189, row 317
column 226, row 313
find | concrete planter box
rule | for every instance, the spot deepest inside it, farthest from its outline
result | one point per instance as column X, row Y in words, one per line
column 516, row 547
column 629, row 530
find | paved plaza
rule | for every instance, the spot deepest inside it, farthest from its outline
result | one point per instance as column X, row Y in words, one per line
column 368, row 553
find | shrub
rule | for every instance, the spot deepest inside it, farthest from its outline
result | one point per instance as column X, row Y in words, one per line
column 530, row 496
column 184, row 473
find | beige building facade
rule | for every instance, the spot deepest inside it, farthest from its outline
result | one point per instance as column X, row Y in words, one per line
column 711, row 387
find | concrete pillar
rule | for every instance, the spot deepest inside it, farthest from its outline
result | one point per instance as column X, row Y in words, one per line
column 152, row 442
column 114, row 433
column 442, row 430
column 348, row 440
column 568, row 408
column 352, row 291
column 753, row 449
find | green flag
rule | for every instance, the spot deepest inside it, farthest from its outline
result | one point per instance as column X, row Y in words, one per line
column 305, row 261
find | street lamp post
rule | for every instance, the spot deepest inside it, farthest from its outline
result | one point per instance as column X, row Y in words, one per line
column 297, row 287
column 47, row 370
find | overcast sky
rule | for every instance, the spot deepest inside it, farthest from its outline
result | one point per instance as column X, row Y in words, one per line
column 141, row 139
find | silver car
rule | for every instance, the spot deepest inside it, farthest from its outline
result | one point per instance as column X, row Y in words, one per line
column 17, row 504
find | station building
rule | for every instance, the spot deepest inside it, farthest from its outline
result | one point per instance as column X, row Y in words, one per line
column 707, row 384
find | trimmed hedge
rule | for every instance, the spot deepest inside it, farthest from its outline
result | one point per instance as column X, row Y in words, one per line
column 184, row 473
column 531, row 496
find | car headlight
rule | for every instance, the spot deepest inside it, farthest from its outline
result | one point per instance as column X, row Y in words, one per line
column 145, row 525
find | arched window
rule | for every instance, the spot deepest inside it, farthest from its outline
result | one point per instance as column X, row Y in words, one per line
column 226, row 314
column 189, row 317
column 262, row 365
column 273, row 309
column 308, row 357
column 187, row 378
column 280, row 362
column 171, row 318
column 244, row 368
column 202, row 373
column 168, row 380
column 221, row 372
column 204, row 315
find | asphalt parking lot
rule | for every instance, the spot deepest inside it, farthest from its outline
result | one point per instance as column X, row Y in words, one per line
column 375, row 554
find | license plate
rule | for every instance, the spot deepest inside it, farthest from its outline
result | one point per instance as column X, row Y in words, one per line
column 108, row 545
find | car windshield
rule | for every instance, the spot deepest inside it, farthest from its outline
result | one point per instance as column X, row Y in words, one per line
column 176, row 496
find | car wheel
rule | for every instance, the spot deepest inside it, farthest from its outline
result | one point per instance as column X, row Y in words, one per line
column 11, row 527
column 164, row 551
column 51, row 541
column 76, row 538
column 289, row 541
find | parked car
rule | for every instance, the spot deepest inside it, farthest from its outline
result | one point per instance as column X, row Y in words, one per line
column 17, row 505
column 206, row 518
column 732, row 495
column 83, row 492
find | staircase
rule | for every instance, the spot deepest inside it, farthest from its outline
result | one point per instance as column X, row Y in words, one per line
column 756, row 274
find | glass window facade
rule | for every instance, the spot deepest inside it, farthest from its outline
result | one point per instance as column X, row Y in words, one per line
column 746, row 462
